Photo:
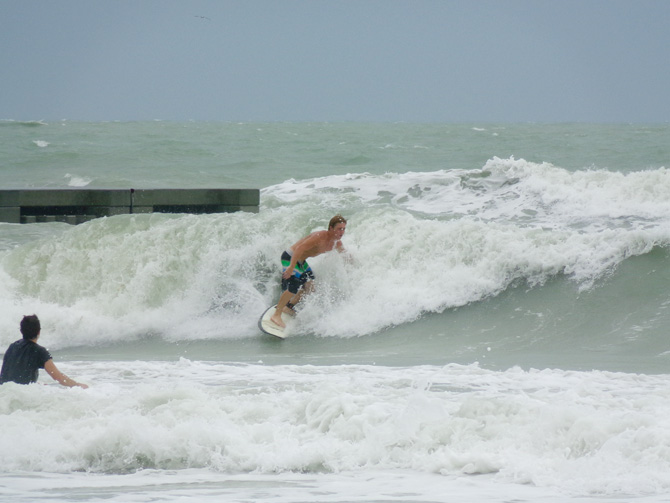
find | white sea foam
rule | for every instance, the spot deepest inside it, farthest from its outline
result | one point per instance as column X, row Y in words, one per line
column 579, row 433
column 567, row 268
column 77, row 181
column 402, row 486
column 421, row 242
column 504, row 189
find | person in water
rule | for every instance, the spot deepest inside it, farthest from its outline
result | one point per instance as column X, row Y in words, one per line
column 25, row 357
column 297, row 275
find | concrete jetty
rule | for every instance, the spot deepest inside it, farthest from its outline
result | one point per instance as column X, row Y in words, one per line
column 75, row 206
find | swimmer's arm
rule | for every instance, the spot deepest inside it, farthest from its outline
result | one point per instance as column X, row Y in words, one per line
column 57, row 375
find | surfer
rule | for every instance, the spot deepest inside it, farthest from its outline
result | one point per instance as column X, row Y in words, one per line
column 25, row 357
column 297, row 275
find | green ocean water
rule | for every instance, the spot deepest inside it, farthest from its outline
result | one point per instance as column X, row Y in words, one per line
column 501, row 334
column 453, row 202
column 195, row 154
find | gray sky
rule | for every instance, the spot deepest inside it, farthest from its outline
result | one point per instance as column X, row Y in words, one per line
column 336, row 60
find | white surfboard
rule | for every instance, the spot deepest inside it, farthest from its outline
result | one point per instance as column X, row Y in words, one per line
column 271, row 328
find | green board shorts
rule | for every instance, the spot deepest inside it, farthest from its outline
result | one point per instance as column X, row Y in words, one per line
column 302, row 273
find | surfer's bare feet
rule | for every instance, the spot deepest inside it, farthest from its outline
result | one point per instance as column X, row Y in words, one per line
column 290, row 311
column 277, row 320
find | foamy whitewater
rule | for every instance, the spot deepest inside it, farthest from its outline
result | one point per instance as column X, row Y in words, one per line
column 499, row 335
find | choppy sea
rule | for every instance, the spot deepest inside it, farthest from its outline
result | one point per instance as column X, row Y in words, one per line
column 500, row 335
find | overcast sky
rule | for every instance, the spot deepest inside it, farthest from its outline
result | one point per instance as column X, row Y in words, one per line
column 336, row 60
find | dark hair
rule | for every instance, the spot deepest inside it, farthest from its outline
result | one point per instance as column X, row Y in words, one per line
column 337, row 219
column 30, row 327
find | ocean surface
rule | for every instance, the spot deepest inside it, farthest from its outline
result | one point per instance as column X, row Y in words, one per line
column 500, row 335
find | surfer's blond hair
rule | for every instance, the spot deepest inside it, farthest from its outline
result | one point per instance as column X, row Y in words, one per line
column 337, row 219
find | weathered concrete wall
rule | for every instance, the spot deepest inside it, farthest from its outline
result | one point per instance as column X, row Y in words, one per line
column 80, row 205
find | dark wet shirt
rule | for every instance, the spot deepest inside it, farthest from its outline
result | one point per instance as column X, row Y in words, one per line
column 22, row 361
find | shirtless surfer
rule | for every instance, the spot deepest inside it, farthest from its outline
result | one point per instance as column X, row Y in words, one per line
column 297, row 275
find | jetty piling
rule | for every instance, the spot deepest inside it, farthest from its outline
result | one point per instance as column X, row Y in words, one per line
column 75, row 206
